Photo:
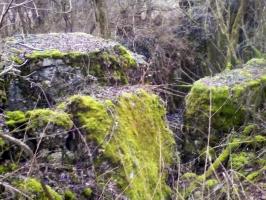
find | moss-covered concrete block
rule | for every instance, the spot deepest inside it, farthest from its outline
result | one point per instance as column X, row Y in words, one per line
column 226, row 100
column 130, row 143
column 55, row 65
column 133, row 137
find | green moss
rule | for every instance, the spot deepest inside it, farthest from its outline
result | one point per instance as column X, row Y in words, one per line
column 69, row 195
column 36, row 191
column 105, row 65
column 134, row 136
column 233, row 96
column 189, row 175
column 126, row 56
column 240, row 160
column 8, row 167
column 38, row 118
column 41, row 117
column 249, row 129
column 87, row 192
column 2, row 143
column 15, row 118
column 260, row 139
column 38, row 55
column 211, row 183
column 237, row 160
column 141, row 125
column 255, row 176
column 232, row 145
column 92, row 116
column 17, row 60
column 226, row 112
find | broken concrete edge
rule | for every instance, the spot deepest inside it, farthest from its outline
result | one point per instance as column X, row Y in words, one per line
column 72, row 45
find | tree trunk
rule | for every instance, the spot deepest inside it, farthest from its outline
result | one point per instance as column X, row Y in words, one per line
column 102, row 18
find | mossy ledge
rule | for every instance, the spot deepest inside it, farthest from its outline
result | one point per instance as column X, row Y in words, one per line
column 231, row 96
column 117, row 61
column 38, row 118
column 133, row 135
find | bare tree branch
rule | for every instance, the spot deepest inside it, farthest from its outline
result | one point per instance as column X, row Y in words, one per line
column 5, row 11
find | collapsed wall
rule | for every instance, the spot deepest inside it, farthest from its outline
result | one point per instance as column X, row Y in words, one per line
column 73, row 100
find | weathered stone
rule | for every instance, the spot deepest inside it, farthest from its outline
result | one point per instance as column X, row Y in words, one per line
column 53, row 66
column 124, row 129
column 127, row 135
column 225, row 101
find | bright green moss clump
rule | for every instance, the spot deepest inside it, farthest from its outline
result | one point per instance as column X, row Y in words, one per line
column 69, row 195
column 87, row 192
column 36, row 191
column 226, row 112
column 8, row 167
column 15, row 118
column 143, row 145
column 38, row 118
column 257, row 61
column 126, row 56
column 211, row 183
column 240, row 160
column 41, row 117
column 92, row 116
column 54, row 53
column 134, row 136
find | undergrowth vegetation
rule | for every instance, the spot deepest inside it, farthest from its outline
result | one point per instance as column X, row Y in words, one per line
column 176, row 111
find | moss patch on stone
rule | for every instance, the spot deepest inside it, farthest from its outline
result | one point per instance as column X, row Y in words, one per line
column 41, row 117
column 36, row 191
column 38, row 118
column 15, row 118
column 8, row 167
column 240, row 160
column 106, row 64
column 132, row 134
column 69, row 195
column 92, row 116
column 232, row 97
column 87, row 192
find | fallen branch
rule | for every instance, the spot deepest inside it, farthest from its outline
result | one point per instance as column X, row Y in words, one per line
column 13, row 189
column 13, row 68
column 21, row 144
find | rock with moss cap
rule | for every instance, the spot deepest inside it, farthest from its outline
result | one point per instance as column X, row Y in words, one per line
column 131, row 144
column 231, row 98
column 58, row 64
column 47, row 127
column 132, row 136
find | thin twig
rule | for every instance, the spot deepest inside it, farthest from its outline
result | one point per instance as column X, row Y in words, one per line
column 17, row 142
